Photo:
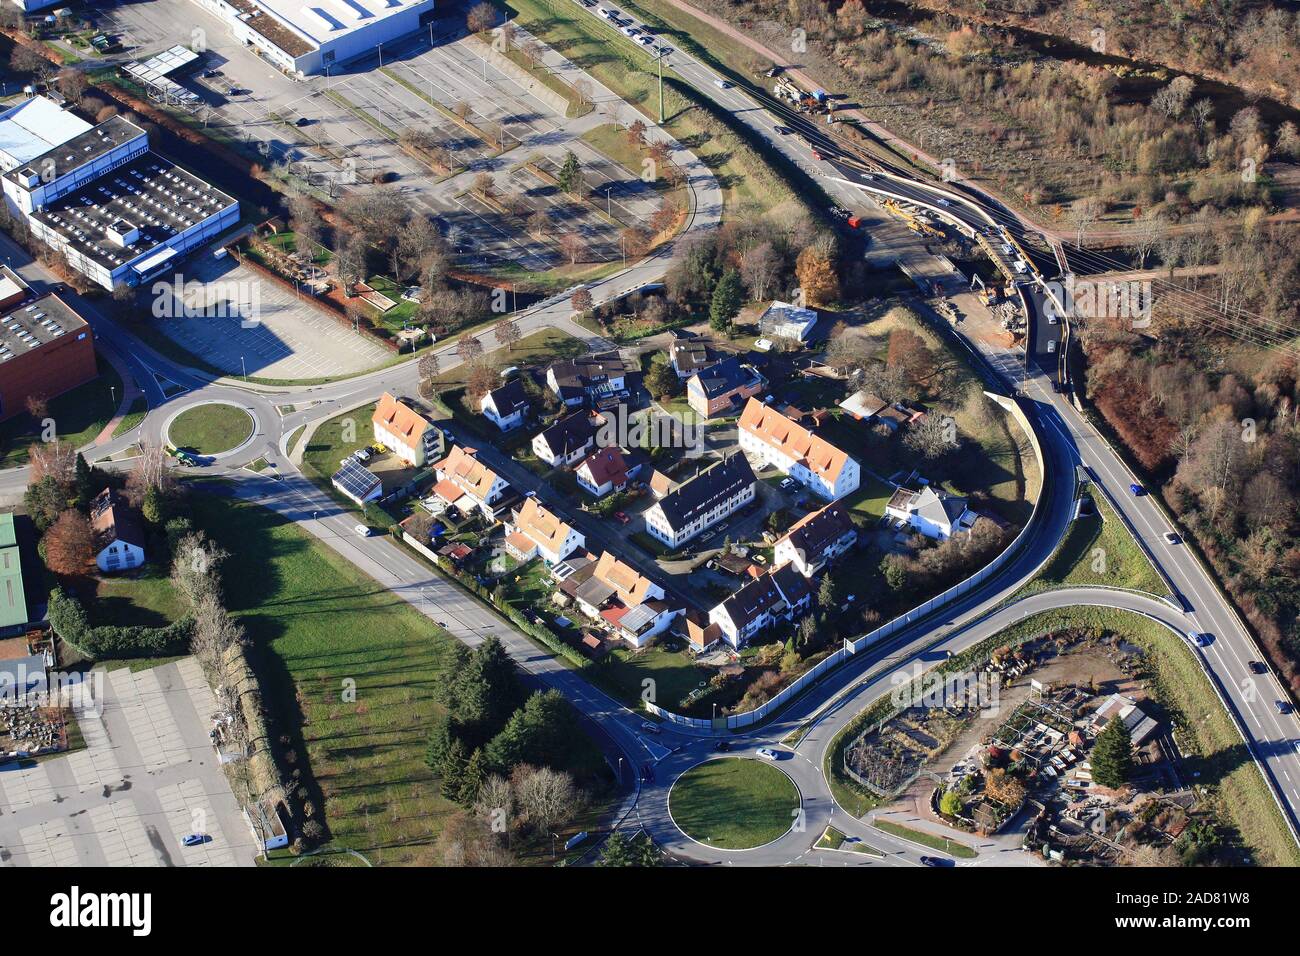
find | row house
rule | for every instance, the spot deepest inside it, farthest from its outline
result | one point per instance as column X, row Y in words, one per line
column 789, row 447
column 701, row 502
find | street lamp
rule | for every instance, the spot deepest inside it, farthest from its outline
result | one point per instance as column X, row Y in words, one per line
column 242, row 368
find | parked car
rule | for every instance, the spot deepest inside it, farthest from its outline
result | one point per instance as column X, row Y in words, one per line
column 362, row 530
column 935, row 861
column 621, row 518
column 788, row 483
column 193, row 839
column 363, row 454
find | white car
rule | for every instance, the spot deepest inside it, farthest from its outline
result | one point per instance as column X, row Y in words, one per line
column 722, row 84
column 631, row 31
column 362, row 530
column 788, row 483
column 943, row 202
column 363, row 454
column 767, row 753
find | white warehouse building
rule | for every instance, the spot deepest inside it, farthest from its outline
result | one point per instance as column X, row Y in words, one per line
column 313, row 36
column 119, row 213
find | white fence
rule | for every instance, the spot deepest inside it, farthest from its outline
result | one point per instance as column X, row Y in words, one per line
column 736, row 721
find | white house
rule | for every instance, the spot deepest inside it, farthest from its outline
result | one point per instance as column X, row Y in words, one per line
column 568, row 441
column 816, row 540
column 701, row 502
column 409, row 435
column 466, row 482
column 933, row 514
column 507, row 406
column 535, row 532
column 606, row 470
column 780, row 595
column 787, row 446
column 592, row 377
column 786, row 321
column 119, row 538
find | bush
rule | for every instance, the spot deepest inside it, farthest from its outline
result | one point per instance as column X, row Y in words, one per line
column 70, row 622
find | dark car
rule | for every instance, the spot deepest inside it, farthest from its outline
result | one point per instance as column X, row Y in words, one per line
column 1137, row 489
column 723, row 746
column 935, row 861
column 1258, row 667
column 302, row 121
column 1283, row 706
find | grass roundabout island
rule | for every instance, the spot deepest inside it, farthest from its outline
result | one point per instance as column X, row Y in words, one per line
column 733, row 803
column 211, row 428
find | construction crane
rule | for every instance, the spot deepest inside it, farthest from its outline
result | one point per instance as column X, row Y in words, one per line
column 918, row 223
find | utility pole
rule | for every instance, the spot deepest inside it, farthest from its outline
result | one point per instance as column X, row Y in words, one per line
column 660, row 60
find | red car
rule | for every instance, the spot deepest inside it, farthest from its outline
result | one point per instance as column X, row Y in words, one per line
column 621, row 518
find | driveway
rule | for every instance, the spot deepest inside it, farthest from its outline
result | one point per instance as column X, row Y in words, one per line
column 146, row 777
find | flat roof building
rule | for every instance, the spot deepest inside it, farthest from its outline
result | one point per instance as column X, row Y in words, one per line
column 46, row 349
column 119, row 213
column 314, row 36
column 33, row 128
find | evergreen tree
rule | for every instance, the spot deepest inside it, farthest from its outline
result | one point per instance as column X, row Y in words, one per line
column 1112, row 755
column 84, row 482
column 620, row 851
column 440, row 739
column 728, row 297
column 472, row 778
column 453, row 769
column 570, row 176
column 829, row 593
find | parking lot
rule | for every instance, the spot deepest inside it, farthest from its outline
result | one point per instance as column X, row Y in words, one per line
column 350, row 123
column 291, row 337
column 146, row 778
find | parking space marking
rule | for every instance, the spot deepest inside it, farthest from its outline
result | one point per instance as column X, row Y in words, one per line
column 36, row 846
column 122, row 834
column 27, row 787
column 103, row 759
column 186, row 808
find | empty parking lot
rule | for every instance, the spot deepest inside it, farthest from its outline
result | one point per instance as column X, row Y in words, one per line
column 146, row 777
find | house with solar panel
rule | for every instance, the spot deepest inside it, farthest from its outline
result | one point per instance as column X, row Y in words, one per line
column 357, row 482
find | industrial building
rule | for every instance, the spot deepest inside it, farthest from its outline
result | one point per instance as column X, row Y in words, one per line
column 119, row 213
column 46, row 349
column 314, row 37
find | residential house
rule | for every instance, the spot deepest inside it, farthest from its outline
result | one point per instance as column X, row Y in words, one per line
column 592, row 378
column 702, row 501
column 467, row 483
column 701, row 633
column 723, row 388
column 933, row 514
column 568, row 440
column 783, row 594
column 534, row 531
column 690, row 355
column 786, row 321
column 507, row 406
column 409, row 435
column 608, row 469
column 631, row 605
column 119, row 536
column 816, row 539
column 789, row 447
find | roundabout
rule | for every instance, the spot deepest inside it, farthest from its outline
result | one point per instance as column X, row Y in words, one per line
column 211, row 428
column 734, row 803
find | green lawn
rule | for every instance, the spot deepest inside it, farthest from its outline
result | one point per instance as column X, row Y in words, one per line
column 146, row 599
column 951, row 847
column 544, row 345
column 133, row 417
column 79, row 416
column 734, row 803
column 210, row 429
column 674, row 673
column 1098, row 549
column 871, row 497
column 317, row 623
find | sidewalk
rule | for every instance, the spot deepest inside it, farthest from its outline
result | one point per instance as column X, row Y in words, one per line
column 130, row 392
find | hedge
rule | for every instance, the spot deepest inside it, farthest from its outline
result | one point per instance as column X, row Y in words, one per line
column 71, row 623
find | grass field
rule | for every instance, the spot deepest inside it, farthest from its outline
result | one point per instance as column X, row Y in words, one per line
column 79, row 416
column 623, row 672
column 146, row 599
column 734, row 803
column 951, row 847
column 133, row 417
column 544, row 345
column 318, row 622
column 1098, row 549
column 1213, row 750
column 335, row 440
column 210, row 429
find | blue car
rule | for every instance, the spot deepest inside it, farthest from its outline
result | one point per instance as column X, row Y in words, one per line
column 193, row 839
column 1137, row 489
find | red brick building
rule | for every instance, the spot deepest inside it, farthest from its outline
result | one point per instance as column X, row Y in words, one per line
column 46, row 349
